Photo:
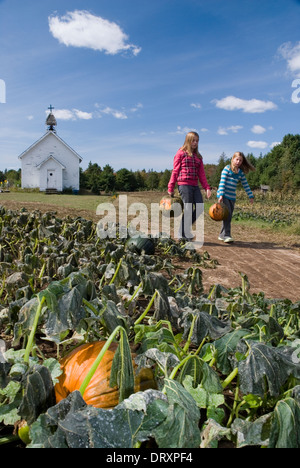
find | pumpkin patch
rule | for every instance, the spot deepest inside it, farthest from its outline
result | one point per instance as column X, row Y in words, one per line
column 226, row 362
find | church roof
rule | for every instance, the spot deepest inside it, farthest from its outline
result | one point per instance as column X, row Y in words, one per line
column 47, row 159
column 43, row 138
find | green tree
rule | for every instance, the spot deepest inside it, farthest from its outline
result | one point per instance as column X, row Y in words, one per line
column 125, row 180
column 92, row 177
column 107, row 179
column 140, row 177
column 152, row 180
column 164, row 179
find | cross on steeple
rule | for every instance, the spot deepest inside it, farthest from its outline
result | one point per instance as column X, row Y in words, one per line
column 51, row 121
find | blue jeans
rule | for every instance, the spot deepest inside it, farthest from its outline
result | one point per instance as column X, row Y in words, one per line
column 191, row 197
column 226, row 224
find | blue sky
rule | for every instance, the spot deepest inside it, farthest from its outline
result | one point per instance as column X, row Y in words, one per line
column 129, row 78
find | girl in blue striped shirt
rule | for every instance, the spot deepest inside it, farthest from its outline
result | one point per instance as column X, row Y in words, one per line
column 226, row 193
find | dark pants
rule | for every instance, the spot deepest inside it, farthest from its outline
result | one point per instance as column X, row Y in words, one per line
column 191, row 197
column 226, row 224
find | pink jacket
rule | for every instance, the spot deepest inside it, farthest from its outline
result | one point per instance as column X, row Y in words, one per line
column 187, row 170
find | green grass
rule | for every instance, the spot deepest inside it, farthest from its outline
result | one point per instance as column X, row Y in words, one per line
column 80, row 202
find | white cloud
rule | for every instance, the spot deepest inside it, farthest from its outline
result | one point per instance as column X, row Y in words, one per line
column 258, row 129
column 183, row 130
column 115, row 113
column 257, row 144
column 250, row 106
column 275, row 143
column 83, row 29
column 292, row 56
column 83, row 115
column 74, row 114
column 195, row 105
column 225, row 130
column 137, row 107
column 64, row 114
column 118, row 114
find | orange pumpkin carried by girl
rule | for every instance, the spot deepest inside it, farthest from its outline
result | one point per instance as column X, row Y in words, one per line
column 171, row 206
column 218, row 212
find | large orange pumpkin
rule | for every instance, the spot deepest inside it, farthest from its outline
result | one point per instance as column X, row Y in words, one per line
column 171, row 206
column 98, row 393
column 218, row 212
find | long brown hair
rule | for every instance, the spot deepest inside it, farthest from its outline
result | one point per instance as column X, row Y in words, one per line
column 246, row 166
column 187, row 144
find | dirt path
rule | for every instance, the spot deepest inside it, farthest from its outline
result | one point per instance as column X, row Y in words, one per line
column 271, row 264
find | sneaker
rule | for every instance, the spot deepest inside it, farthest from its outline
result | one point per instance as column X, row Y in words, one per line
column 228, row 240
column 221, row 238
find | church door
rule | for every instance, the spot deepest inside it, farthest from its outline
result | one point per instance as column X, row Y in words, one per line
column 51, row 178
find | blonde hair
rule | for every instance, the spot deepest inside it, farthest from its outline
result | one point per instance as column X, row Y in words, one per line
column 187, row 144
column 246, row 166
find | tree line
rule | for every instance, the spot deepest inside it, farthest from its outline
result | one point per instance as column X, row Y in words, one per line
column 107, row 180
column 279, row 169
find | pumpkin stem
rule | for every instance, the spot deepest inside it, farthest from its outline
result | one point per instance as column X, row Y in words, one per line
column 175, row 370
column 33, row 330
column 116, row 272
column 97, row 361
column 134, row 294
column 139, row 320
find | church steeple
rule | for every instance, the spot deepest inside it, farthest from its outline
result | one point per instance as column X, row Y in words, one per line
column 51, row 120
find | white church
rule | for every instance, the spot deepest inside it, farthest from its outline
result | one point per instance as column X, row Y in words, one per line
column 50, row 164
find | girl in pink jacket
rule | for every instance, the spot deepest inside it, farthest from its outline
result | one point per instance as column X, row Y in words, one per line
column 188, row 170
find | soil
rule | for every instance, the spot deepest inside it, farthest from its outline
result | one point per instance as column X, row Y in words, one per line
column 270, row 265
column 271, row 261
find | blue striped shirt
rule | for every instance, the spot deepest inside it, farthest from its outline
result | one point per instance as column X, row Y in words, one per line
column 229, row 181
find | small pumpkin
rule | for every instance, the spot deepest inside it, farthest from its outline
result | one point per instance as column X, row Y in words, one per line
column 139, row 245
column 218, row 212
column 171, row 206
column 98, row 393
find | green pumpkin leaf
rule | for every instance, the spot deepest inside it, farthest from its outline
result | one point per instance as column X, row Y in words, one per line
column 122, row 373
column 285, row 430
column 180, row 428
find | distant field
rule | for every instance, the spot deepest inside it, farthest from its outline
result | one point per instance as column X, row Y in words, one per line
column 77, row 202
column 278, row 213
column 80, row 202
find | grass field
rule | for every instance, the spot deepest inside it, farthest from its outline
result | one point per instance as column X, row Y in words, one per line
column 80, row 202
column 270, row 213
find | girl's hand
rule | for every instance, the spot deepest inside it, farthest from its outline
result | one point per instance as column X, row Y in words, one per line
column 208, row 193
column 171, row 194
column 251, row 200
column 220, row 199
